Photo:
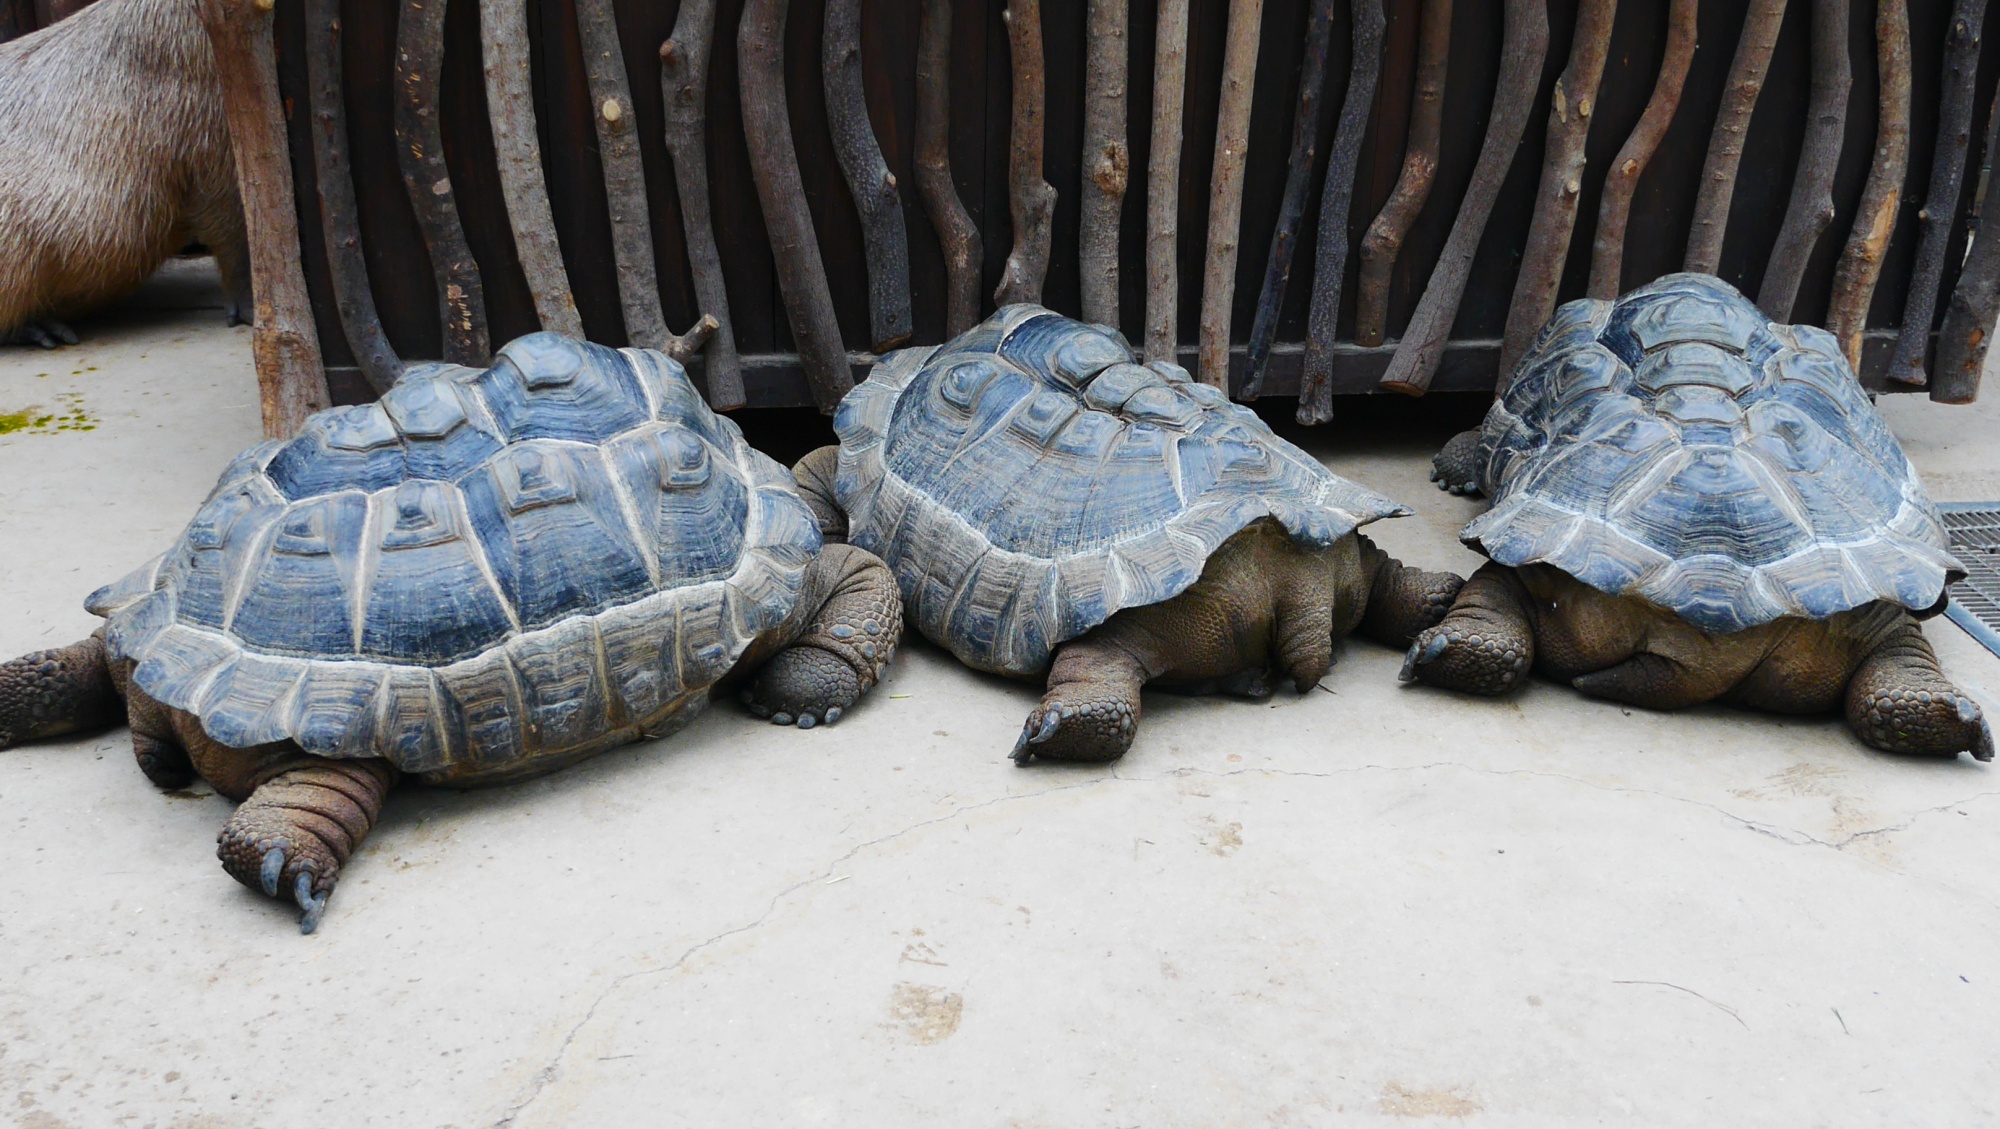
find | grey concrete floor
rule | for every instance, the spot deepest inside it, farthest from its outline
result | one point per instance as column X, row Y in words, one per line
column 1370, row 904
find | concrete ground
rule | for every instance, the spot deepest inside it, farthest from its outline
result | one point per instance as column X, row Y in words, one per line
column 1372, row 904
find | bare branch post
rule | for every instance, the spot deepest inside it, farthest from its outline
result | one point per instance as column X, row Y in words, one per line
column 884, row 242
column 624, row 175
column 420, row 155
column 1614, row 209
column 1732, row 123
column 1961, row 66
column 1384, row 240
column 1571, row 108
column 1291, row 209
column 1811, row 209
column 1975, row 301
column 1330, row 260
column 1524, row 45
column 684, row 346
column 339, row 217
column 1225, row 187
column 1107, row 165
column 517, row 147
column 959, row 238
column 774, row 165
column 684, row 92
column 1163, row 182
column 1875, row 220
column 1031, row 200
column 291, row 380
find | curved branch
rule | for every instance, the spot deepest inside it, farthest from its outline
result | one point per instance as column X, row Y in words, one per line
column 1225, row 187
column 957, row 235
column 684, row 94
column 774, row 165
column 1163, row 183
column 1975, row 301
column 339, row 216
column 1106, row 162
column 1875, row 220
column 1031, row 200
column 1614, row 209
column 885, row 244
column 1384, row 240
column 420, row 156
column 1732, row 123
column 624, row 176
column 517, row 149
column 1571, row 107
column 1330, row 261
column 1523, row 48
column 1291, row 210
column 1961, row 67
column 1811, row 209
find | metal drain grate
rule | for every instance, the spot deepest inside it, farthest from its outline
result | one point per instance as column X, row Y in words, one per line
column 1974, row 528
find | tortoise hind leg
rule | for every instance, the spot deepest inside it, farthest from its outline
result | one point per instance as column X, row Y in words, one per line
column 1090, row 711
column 1484, row 645
column 50, row 693
column 298, row 828
column 155, row 745
column 814, row 478
column 855, row 619
column 1455, row 467
column 1901, row 702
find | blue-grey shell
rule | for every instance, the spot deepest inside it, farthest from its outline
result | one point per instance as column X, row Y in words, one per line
column 1029, row 479
column 1679, row 447
column 487, row 568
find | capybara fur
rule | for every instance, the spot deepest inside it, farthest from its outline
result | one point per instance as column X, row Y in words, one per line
column 114, row 154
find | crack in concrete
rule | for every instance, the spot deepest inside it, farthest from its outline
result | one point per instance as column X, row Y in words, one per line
column 552, row 1070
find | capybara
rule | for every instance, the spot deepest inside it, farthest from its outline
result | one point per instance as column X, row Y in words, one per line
column 114, row 154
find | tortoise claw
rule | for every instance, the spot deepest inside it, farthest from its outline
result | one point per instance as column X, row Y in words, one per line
column 274, row 866
column 1421, row 653
column 314, row 905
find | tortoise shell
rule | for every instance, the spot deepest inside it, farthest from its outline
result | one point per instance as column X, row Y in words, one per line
column 1029, row 479
column 484, row 572
column 1677, row 446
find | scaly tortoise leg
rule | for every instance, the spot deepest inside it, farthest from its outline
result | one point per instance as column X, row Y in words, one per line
column 1403, row 601
column 1901, row 702
column 50, row 693
column 1455, row 468
column 848, row 641
column 1484, row 645
column 1090, row 711
column 295, row 831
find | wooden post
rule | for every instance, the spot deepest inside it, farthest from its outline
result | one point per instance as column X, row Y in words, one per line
column 1163, row 182
column 774, row 165
column 957, row 236
column 517, row 150
column 1291, row 209
column 1225, row 187
column 624, row 175
column 340, row 222
column 1572, row 107
column 1607, row 258
column 1975, row 301
column 1384, row 240
column 420, row 156
column 1961, row 67
column 1524, row 45
column 876, row 202
column 291, row 380
column 1106, row 163
column 684, row 94
column 1732, row 123
column 1810, row 211
column 1330, row 263
column 1031, row 201
column 1861, row 263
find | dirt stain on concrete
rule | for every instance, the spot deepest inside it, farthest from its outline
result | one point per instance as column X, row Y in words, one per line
column 68, row 416
column 1398, row 1100
column 925, row 1013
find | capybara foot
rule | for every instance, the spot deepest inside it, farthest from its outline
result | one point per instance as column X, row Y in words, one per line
column 1455, row 468
column 804, row 686
column 293, row 834
column 1064, row 728
column 1463, row 654
column 45, row 332
column 49, row 693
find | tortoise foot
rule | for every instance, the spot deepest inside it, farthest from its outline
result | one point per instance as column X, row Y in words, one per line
column 804, row 686
column 1069, row 729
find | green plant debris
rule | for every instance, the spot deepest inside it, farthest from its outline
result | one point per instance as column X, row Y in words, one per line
column 69, row 415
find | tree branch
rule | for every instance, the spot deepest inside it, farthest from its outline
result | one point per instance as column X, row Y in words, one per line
column 684, row 93
column 1384, row 240
column 1875, row 220
column 1225, row 187
column 1614, row 209
column 624, row 176
column 517, row 149
column 884, row 242
column 1106, row 162
column 957, row 236
column 1975, row 301
column 1811, row 209
column 1732, row 122
column 1031, row 201
column 1163, row 183
column 420, row 156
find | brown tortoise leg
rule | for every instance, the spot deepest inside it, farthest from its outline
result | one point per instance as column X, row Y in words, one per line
column 50, row 693
column 814, row 476
column 856, row 618
column 297, row 829
column 154, row 743
column 1403, row 601
column 1484, row 645
column 1090, row 711
column 1901, row 702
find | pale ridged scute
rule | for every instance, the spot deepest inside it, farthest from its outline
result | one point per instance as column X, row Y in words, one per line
column 1029, row 479
column 484, row 571
column 1679, row 447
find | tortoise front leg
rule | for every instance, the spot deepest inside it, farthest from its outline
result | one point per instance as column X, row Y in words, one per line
column 1403, row 601
column 1484, row 645
column 1901, row 702
column 856, row 618
column 295, row 831
column 1090, row 711
column 50, row 693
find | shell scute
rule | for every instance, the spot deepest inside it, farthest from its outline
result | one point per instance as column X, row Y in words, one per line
column 1725, row 468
